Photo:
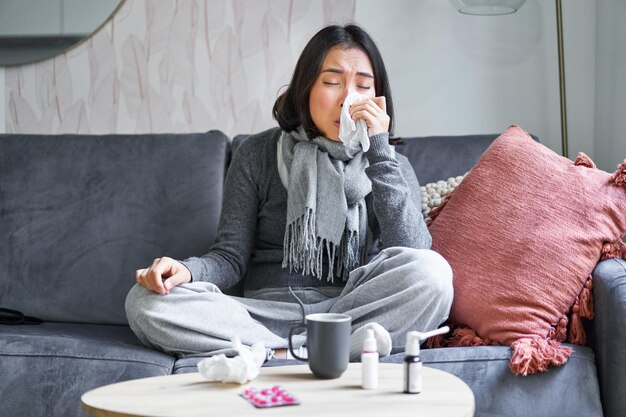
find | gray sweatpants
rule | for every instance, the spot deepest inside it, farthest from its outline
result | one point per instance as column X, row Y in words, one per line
column 402, row 289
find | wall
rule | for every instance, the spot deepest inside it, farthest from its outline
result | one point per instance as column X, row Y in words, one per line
column 457, row 74
column 610, row 126
column 200, row 64
column 2, row 100
column 579, row 25
column 179, row 66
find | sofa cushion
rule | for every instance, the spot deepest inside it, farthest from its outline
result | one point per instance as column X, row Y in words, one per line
column 434, row 157
column 190, row 364
column 497, row 391
column 55, row 363
column 80, row 213
column 570, row 390
column 523, row 232
column 609, row 333
column 437, row 158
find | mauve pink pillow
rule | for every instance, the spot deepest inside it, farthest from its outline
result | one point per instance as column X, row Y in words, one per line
column 523, row 232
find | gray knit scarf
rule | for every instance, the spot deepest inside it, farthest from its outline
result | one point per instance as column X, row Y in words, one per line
column 326, row 211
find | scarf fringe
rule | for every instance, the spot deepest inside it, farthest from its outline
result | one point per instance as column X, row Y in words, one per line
column 303, row 251
column 348, row 257
column 297, row 241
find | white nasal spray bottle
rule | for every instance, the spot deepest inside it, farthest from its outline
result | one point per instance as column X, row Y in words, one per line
column 413, row 362
column 369, row 361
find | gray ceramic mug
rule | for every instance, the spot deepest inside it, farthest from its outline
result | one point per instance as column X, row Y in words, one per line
column 328, row 343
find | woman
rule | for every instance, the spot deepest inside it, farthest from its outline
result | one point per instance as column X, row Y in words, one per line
column 301, row 216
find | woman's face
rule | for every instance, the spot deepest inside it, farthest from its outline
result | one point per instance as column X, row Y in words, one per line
column 343, row 71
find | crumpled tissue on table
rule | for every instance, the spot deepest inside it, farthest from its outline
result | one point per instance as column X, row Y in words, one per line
column 352, row 134
column 242, row 368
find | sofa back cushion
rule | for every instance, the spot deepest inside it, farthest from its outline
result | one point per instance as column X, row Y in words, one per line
column 436, row 158
column 80, row 213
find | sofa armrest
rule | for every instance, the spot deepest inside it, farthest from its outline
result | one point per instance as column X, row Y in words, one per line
column 609, row 333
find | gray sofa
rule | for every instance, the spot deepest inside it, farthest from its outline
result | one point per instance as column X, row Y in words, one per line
column 79, row 213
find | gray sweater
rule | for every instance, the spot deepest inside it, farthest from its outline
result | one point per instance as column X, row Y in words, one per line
column 249, row 243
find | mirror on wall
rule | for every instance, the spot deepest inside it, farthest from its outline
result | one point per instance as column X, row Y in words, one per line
column 33, row 30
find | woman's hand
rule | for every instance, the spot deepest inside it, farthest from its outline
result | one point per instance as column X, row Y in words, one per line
column 374, row 112
column 163, row 275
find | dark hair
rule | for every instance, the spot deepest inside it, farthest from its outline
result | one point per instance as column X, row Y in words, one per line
column 291, row 109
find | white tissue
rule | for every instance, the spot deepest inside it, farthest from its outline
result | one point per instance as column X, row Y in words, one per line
column 352, row 134
column 242, row 368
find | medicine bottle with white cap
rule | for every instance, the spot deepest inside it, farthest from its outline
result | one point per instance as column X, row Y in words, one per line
column 369, row 361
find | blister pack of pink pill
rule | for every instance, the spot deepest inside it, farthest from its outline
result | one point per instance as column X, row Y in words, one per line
column 269, row 397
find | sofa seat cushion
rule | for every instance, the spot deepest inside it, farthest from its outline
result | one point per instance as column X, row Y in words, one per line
column 569, row 390
column 190, row 364
column 55, row 363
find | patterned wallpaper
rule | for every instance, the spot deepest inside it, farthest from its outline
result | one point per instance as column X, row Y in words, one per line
column 171, row 66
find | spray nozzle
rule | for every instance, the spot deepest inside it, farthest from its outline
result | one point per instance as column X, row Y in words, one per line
column 369, row 344
column 414, row 338
column 426, row 335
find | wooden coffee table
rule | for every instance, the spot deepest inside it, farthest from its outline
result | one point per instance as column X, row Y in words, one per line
column 190, row 395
